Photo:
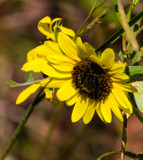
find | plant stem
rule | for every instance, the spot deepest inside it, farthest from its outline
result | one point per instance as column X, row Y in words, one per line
column 52, row 125
column 89, row 15
column 126, row 27
column 74, row 142
column 129, row 154
column 119, row 33
column 124, row 137
column 18, row 130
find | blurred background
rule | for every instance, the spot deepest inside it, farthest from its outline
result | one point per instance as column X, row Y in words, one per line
column 18, row 35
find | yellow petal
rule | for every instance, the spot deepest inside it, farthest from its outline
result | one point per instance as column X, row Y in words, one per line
column 106, row 111
column 52, row 48
column 79, row 109
column 107, row 58
column 89, row 113
column 50, row 71
column 41, row 51
column 67, row 31
column 81, row 50
column 98, row 110
column 26, row 93
column 94, row 59
column 63, row 68
column 117, row 67
column 72, row 100
column 122, row 99
column 84, row 50
column 66, row 92
column 115, row 107
column 125, row 87
column 42, row 25
column 54, row 83
column 34, row 65
column 60, row 59
column 68, row 46
column 120, row 77
column 90, row 50
column 32, row 54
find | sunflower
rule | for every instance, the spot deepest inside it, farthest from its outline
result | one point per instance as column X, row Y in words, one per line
column 38, row 56
column 90, row 82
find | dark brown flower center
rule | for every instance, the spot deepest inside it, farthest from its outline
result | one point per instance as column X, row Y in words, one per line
column 91, row 80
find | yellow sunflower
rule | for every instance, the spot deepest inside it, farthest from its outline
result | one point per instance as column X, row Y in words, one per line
column 87, row 81
column 37, row 57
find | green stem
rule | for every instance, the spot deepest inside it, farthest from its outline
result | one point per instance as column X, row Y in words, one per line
column 89, row 15
column 52, row 125
column 129, row 154
column 119, row 33
column 124, row 137
column 126, row 27
column 74, row 142
column 18, row 130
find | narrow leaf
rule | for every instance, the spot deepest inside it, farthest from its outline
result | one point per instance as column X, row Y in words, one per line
column 29, row 81
column 132, row 70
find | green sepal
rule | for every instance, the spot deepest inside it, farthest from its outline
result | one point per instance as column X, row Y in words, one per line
column 15, row 84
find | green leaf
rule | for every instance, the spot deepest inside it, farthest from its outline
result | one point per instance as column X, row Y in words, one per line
column 139, row 95
column 29, row 81
column 132, row 70
column 137, row 57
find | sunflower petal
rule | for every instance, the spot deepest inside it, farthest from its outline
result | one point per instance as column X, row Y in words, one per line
column 52, row 48
column 106, row 111
column 54, row 83
column 50, row 71
column 79, row 109
column 120, row 77
column 115, row 107
column 42, row 25
column 26, row 93
column 122, row 99
column 107, row 58
column 72, row 100
column 117, row 67
column 89, row 113
column 67, row 31
column 98, row 110
column 60, row 59
column 125, row 87
column 66, row 92
column 35, row 65
column 68, row 46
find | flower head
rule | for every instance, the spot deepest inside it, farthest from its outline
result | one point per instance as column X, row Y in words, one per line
column 88, row 82
column 37, row 57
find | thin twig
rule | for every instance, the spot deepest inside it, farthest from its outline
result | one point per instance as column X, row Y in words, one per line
column 124, row 137
column 126, row 27
column 46, row 140
column 18, row 130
